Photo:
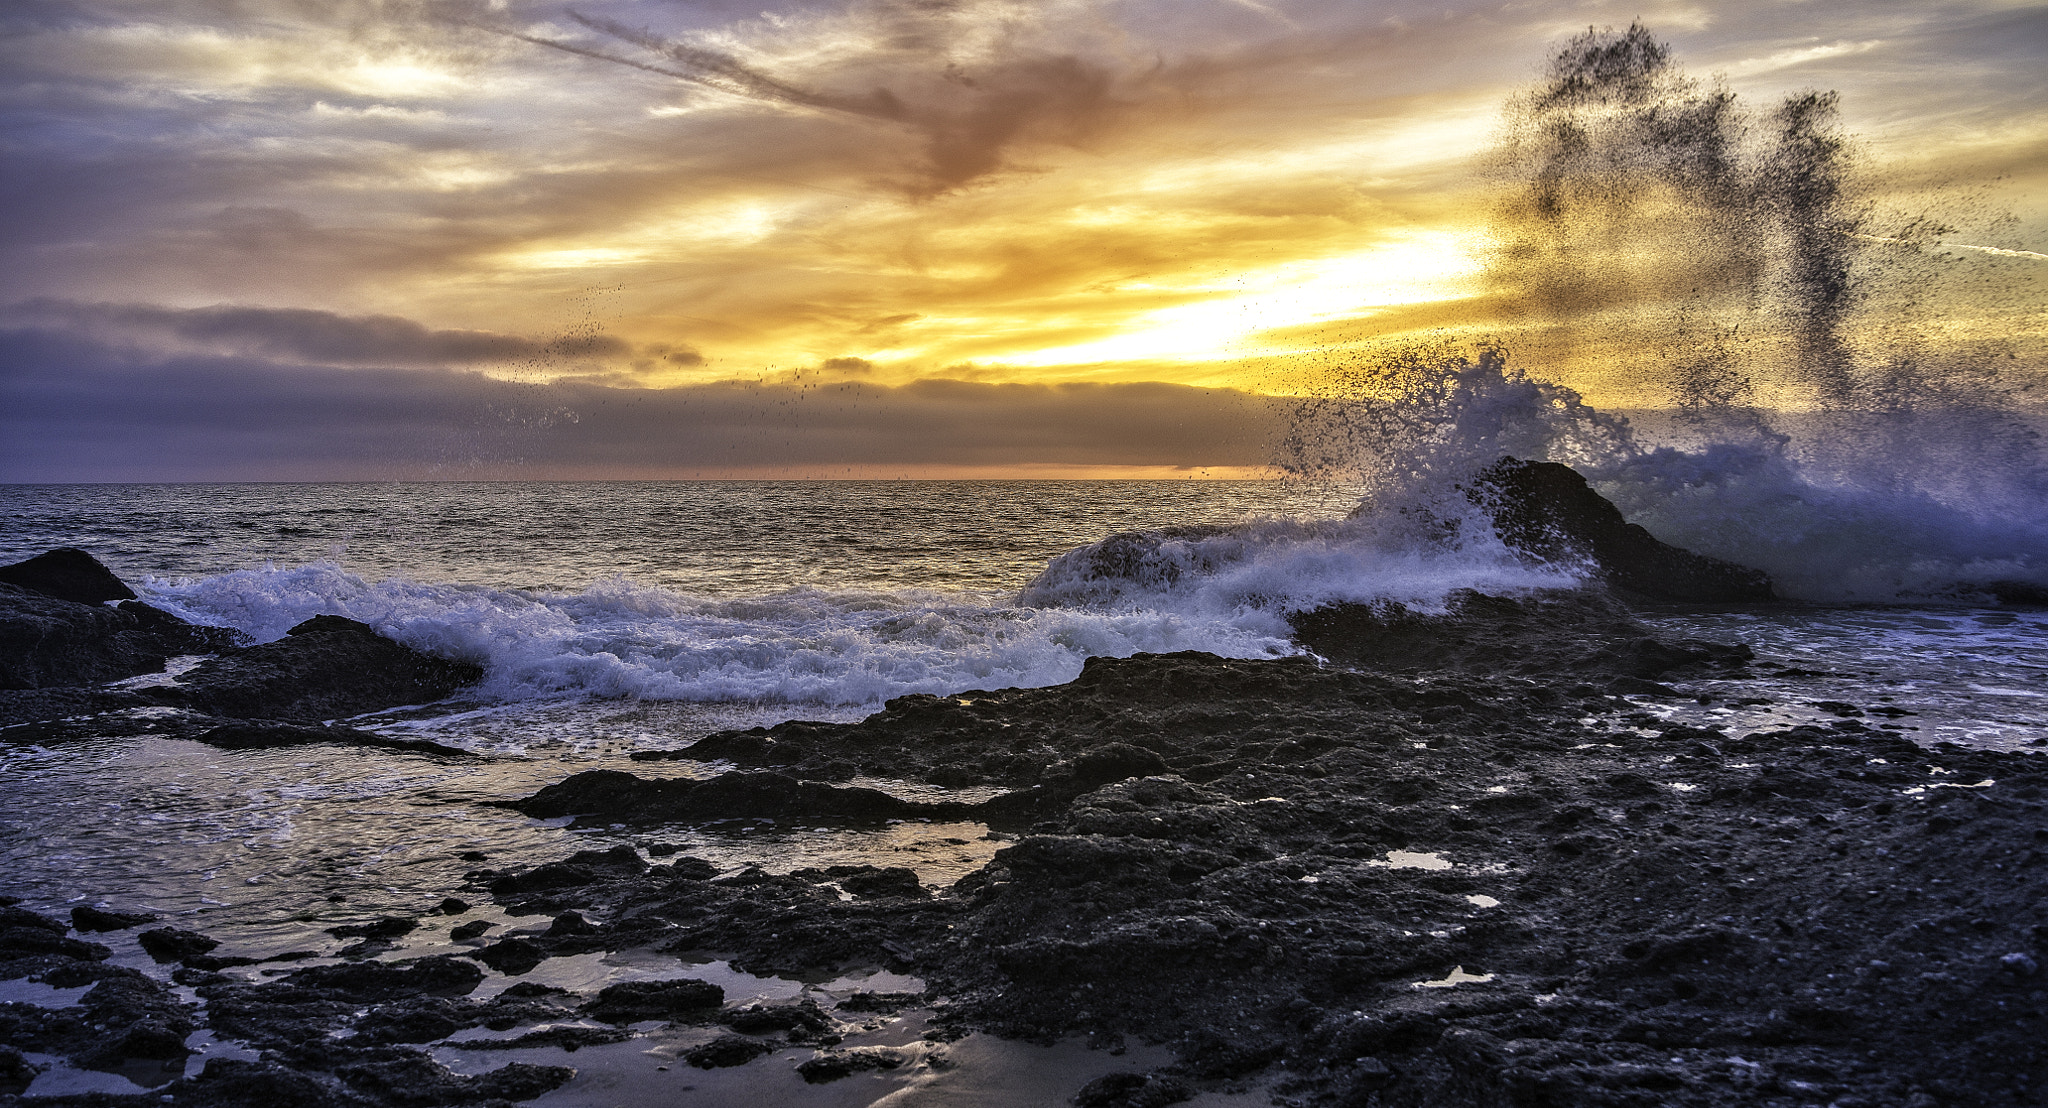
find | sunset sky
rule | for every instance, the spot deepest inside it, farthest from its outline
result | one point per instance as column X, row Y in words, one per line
column 302, row 239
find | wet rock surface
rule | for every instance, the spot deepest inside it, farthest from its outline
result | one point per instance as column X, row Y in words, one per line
column 1378, row 890
column 325, row 668
column 1579, row 633
column 58, row 645
column 1458, row 885
column 48, row 642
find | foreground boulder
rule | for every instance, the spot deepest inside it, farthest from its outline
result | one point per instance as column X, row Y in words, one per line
column 325, row 668
column 67, row 573
column 49, row 642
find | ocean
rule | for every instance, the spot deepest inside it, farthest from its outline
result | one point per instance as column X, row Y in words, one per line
column 614, row 618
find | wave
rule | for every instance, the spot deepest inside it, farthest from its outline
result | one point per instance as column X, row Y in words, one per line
column 621, row 639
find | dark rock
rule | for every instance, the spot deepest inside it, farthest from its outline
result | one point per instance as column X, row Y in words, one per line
column 170, row 944
column 831, row 1065
column 453, row 906
column 564, row 1038
column 620, row 797
column 803, row 1020
column 893, row 881
column 410, row 1079
column 1113, row 762
column 571, row 923
column 1133, row 1090
column 387, row 927
column 67, row 573
column 87, row 918
column 16, row 1072
column 512, row 956
column 691, row 869
column 464, row 931
column 1549, row 512
column 629, row 1001
column 47, row 642
column 267, row 734
column 727, row 1050
column 1576, row 632
column 439, row 975
column 583, row 868
column 325, row 668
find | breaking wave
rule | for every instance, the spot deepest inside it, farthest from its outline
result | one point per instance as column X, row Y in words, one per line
column 804, row 645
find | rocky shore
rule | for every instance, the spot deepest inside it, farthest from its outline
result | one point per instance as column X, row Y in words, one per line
column 1456, row 860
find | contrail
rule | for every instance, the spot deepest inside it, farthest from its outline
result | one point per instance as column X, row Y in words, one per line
column 1998, row 250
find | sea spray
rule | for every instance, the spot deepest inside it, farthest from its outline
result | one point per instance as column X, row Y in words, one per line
column 1825, row 401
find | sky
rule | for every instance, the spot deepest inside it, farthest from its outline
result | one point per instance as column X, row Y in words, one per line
column 423, row 239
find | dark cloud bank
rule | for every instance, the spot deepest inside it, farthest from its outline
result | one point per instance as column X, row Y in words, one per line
column 75, row 407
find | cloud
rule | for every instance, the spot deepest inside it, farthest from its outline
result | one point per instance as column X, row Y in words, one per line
column 303, row 335
column 74, row 409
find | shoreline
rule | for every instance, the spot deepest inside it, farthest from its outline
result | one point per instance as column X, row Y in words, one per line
column 1345, row 888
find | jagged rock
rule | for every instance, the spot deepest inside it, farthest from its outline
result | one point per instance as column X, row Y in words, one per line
column 1574, row 632
column 85, row 917
column 47, row 642
column 266, row 734
column 1548, row 511
column 629, row 1001
column 67, row 573
column 170, row 944
column 622, row 797
column 325, row 668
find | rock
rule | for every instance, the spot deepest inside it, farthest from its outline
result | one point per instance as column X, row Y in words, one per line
column 893, row 881
column 630, row 1001
column 268, row 734
column 325, row 668
column 387, row 927
column 831, row 1065
column 2019, row 964
column 1560, row 632
column 1547, row 511
column 67, row 573
column 1133, row 1090
column 16, row 1072
column 170, row 944
column 439, row 975
column 46, row 642
column 453, row 906
column 1113, row 762
column 87, row 918
column 727, row 1050
column 511, row 956
column 619, row 797
column 582, row 868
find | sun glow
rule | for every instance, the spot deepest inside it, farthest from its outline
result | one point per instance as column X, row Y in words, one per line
column 1234, row 317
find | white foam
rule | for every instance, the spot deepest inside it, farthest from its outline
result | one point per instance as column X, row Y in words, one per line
column 812, row 646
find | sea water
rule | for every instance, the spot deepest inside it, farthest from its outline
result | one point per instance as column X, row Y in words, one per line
column 612, row 618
